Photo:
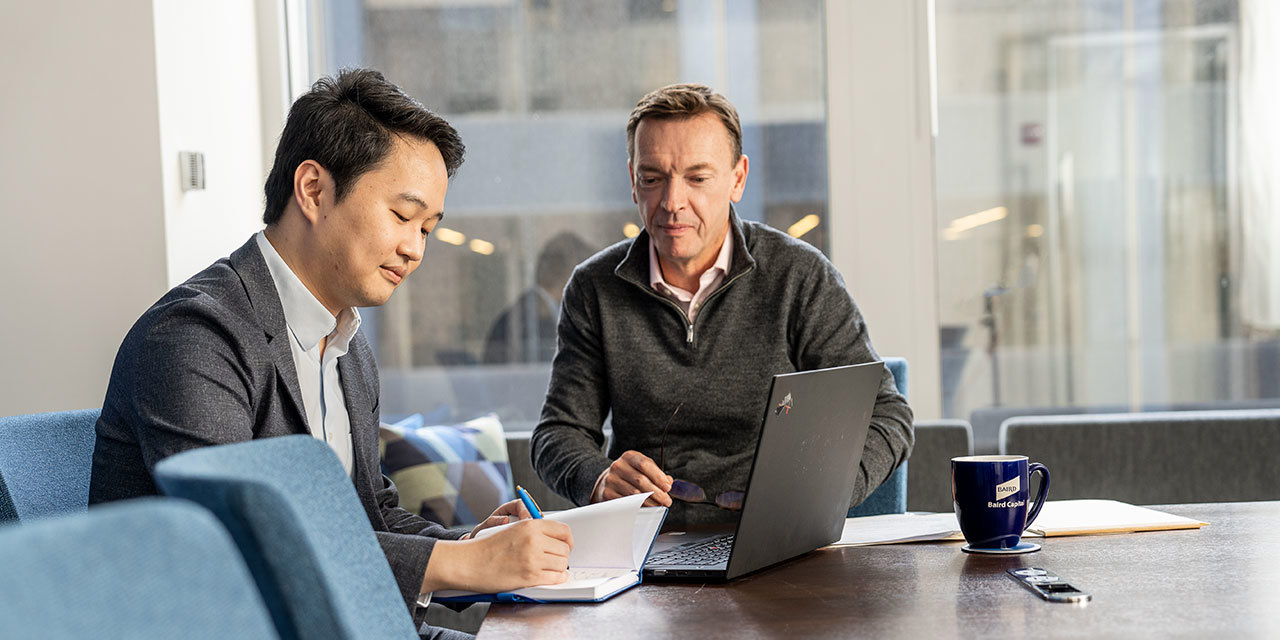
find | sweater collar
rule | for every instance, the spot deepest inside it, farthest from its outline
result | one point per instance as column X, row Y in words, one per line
column 635, row 265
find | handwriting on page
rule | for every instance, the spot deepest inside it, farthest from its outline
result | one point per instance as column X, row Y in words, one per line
column 590, row 577
column 592, row 573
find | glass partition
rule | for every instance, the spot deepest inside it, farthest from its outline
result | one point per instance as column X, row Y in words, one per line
column 1106, row 207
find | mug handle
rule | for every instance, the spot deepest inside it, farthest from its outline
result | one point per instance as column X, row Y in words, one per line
column 1040, row 495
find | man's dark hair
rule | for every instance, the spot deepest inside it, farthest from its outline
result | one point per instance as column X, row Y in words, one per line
column 347, row 124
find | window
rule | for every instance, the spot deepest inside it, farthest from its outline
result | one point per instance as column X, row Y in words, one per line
column 540, row 91
column 1105, row 230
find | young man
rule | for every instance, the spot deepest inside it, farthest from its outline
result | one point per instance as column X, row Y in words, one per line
column 267, row 342
column 678, row 332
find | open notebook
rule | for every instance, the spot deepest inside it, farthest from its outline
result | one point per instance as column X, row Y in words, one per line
column 1058, row 518
column 599, row 566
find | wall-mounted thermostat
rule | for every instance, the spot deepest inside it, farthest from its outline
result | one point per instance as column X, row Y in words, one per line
column 192, row 168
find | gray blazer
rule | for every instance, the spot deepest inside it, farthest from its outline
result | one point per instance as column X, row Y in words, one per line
column 210, row 364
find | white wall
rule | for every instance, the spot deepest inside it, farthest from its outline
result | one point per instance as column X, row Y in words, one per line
column 98, row 100
column 208, row 91
column 81, row 207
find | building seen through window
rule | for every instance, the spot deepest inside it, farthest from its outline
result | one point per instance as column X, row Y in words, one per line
column 540, row 92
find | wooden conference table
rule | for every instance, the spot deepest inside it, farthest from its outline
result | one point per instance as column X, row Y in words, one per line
column 1219, row 581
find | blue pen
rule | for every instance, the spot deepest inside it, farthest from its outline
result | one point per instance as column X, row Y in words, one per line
column 528, row 502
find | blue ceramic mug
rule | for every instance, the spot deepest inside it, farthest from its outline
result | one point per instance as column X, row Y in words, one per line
column 991, row 498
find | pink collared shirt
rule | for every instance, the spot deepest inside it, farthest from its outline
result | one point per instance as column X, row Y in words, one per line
column 707, row 283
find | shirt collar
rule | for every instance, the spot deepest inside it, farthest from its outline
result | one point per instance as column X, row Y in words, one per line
column 721, row 265
column 308, row 319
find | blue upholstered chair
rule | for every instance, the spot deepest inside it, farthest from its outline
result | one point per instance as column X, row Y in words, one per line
column 890, row 497
column 146, row 568
column 44, row 463
column 298, row 521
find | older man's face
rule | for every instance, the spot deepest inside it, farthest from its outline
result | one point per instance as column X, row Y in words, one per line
column 683, row 178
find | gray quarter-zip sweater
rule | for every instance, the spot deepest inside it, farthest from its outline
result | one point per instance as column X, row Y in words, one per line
column 625, row 349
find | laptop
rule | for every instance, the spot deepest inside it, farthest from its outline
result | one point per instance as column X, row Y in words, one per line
column 797, row 493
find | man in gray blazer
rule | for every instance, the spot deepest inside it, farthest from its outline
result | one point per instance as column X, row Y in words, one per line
column 266, row 342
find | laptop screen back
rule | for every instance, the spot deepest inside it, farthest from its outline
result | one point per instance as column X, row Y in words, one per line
column 809, row 454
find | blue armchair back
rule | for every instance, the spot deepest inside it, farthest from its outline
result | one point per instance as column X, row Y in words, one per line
column 145, row 568
column 45, row 460
column 303, row 532
column 890, row 497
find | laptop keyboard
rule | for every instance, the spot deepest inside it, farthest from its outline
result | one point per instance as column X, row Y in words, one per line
column 706, row 552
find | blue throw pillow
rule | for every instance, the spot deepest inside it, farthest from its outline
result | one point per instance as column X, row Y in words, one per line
column 452, row 474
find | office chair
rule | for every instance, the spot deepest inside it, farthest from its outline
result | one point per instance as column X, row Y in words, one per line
column 1154, row 458
column 303, row 532
column 145, row 568
column 929, row 480
column 45, row 460
column 890, row 497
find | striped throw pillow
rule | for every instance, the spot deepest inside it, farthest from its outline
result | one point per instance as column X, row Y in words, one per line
column 452, row 474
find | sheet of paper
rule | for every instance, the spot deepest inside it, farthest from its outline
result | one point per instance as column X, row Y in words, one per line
column 1072, row 517
column 1057, row 518
column 647, row 524
column 603, row 533
column 899, row 527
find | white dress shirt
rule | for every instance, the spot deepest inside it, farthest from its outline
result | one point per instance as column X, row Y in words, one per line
column 309, row 321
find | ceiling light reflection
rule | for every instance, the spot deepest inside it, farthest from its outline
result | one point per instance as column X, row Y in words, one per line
column 804, row 225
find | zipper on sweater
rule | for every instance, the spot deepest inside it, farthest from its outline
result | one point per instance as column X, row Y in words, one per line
column 688, row 324
column 710, row 297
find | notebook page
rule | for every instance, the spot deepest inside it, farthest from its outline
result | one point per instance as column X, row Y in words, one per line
column 1073, row 517
column 647, row 524
column 600, row 531
column 597, row 530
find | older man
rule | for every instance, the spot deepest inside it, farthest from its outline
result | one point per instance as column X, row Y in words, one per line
column 677, row 332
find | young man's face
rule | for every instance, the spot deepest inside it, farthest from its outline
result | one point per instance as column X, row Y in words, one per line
column 683, row 178
column 370, row 242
